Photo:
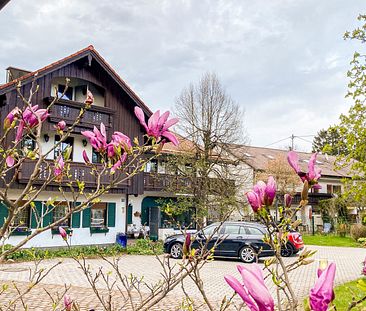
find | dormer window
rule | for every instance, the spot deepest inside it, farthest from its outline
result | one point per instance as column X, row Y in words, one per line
column 68, row 94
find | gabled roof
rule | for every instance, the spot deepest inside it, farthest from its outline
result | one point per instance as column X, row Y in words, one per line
column 259, row 157
column 89, row 51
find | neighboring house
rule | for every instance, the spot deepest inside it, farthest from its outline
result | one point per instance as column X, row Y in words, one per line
column 260, row 158
column 114, row 106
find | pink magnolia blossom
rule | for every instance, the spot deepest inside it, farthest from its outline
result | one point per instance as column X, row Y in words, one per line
column 253, row 291
column 288, row 200
column 313, row 174
column 270, row 191
column 59, row 167
column 119, row 163
column 10, row 161
column 60, row 126
column 67, row 303
column 254, row 200
column 364, row 267
column 63, row 233
column 119, row 141
column 322, row 292
column 262, row 194
column 158, row 125
column 30, row 118
column 89, row 98
column 98, row 139
column 11, row 117
column 85, row 157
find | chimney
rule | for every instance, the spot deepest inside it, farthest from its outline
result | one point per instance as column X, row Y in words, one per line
column 13, row 73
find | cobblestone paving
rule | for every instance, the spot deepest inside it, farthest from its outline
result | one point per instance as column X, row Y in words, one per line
column 348, row 262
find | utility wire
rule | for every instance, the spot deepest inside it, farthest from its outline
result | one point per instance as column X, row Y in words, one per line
column 278, row 141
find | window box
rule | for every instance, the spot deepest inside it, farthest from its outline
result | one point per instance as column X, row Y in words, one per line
column 56, row 231
column 98, row 230
column 21, row 231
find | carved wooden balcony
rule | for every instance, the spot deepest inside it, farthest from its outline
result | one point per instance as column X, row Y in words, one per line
column 69, row 110
column 78, row 171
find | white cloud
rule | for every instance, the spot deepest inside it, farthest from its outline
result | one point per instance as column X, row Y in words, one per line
column 284, row 61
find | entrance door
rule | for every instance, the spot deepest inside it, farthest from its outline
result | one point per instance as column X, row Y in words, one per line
column 154, row 220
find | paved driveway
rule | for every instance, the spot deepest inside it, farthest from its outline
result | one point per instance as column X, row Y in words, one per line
column 348, row 262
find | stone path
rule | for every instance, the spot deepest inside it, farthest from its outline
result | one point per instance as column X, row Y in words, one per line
column 348, row 260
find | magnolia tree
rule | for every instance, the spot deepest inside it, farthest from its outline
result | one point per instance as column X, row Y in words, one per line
column 253, row 291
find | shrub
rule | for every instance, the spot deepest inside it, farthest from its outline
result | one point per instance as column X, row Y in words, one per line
column 358, row 231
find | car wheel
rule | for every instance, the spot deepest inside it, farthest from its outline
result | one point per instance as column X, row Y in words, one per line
column 176, row 250
column 247, row 254
column 287, row 250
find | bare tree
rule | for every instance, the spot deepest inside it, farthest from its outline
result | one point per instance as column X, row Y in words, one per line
column 210, row 121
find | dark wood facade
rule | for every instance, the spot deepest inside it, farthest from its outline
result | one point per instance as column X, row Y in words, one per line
column 117, row 113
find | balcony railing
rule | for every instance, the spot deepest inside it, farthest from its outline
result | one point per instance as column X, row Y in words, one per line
column 157, row 182
column 313, row 198
column 78, row 171
column 171, row 182
column 68, row 111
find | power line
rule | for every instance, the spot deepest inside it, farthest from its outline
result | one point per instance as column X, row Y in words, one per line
column 278, row 141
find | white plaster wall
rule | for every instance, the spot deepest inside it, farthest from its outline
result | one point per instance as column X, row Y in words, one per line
column 77, row 149
column 81, row 236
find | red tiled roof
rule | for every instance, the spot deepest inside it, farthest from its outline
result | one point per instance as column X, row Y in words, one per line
column 55, row 64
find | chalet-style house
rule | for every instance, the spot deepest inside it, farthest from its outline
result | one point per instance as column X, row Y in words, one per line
column 114, row 104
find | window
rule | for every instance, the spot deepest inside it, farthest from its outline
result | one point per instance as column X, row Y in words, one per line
column 96, row 157
column 60, row 210
column 98, row 215
column 22, row 219
column 28, row 144
column 63, row 145
column 253, row 231
column 232, row 229
column 68, row 94
column 208, row 231
column 151, row 166
column 334, row 189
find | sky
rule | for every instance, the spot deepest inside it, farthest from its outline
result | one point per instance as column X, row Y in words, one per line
column 283, row 61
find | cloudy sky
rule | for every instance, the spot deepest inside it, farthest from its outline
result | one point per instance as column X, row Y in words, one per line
column 283, row 61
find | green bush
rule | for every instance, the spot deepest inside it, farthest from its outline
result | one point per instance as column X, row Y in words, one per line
column 358, row 231
column 141, row 247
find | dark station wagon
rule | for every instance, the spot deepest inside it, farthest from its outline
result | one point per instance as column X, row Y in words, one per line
column 243, row 240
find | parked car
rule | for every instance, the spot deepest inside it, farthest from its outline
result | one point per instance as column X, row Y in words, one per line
column 243, row 240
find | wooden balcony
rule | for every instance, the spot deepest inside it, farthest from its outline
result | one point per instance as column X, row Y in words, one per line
column 313, row 198
column 169, row 182
column 69, row 110
column 158, row 182
column 78, row 171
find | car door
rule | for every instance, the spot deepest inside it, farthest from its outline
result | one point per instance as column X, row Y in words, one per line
column 254, row 237
column 209, row 236
column 231, row 240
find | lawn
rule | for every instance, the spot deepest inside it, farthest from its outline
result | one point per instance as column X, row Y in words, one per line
column 344, row 294
column 330, row 240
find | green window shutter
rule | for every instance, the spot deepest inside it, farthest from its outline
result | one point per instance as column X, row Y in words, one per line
column 3, row 213
column 75, row 218
column 129, row 214
column 111, row 215
column 47, row 218
column 86, row 217
column 36, row 214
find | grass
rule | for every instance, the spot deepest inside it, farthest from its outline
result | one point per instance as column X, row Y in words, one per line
column 344, row 294
column 330, row 240
column 141, row 247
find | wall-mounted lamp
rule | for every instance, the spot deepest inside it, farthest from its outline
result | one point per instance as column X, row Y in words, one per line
column 46, row 138
column 85, row 142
